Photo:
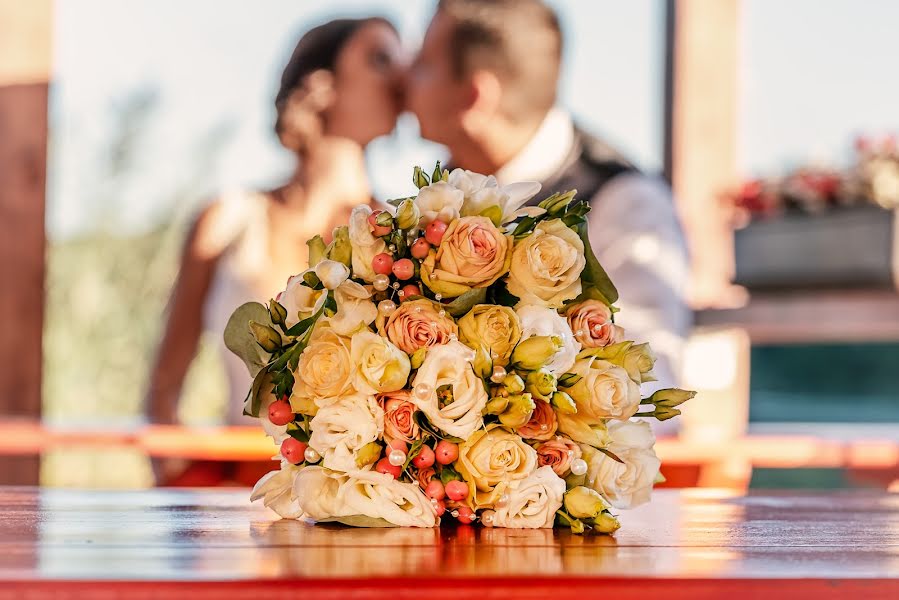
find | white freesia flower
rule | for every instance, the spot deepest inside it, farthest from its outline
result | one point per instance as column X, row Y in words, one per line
column 317, row 493
column 365, row 245
column 438, row 201
column 277, row 491
column 331, row 273
column 379, row 365
column 546, row 266
column 355, row 310
column 604, row 391
column 630, row 484
column 379, row 495
column 324, row 371
column 533, row 501
column 482, row 192
column 340, row 429
column 450, row 364
column 539, row 320
column 298, row 300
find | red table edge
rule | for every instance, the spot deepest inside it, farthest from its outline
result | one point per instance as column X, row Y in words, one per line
column 481, row 588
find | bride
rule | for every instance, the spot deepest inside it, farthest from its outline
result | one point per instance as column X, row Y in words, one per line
column 339, row 91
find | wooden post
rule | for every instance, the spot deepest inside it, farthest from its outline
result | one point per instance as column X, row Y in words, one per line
column 702, row 134
column 25, row 55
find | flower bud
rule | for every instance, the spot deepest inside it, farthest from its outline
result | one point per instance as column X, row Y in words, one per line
column 557, row 203
column 266, row 337
column 513, row 384
column 606, row 523
column 277, row 312
column 534, row 352
column 419, row 178
column 332, row 273
column 340, row 249
column 583, row 430
column 563, row 403
column 317, row 250
column 584, row 503
column 670, row 397
column 384, row 219
column 518, row 412
column 496, row 405
column 638, row 362
column 368, row 454
column 663, row 413
column 541, row 384
column 407, row 214
column 482, row 364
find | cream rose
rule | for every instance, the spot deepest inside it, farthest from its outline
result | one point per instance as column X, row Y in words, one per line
column 557, row 454
column 439, row 201
column 473, row 254
column 450, row 365
column 533, row 501
column 324, row 371
column 379, row 365
column 605, row 391
column 630, row 484
column 591, row 322
column 490, row 460
column 317, row 492
column 418, row 324
column 277, row 491
column 298, row 300
column 491, row 331
column 546, row 266
column 399, row 413
column 355, row 310
column 365, row 245
column 381, row 496
column 539, row 320
column 342, row 428
column 542, row 425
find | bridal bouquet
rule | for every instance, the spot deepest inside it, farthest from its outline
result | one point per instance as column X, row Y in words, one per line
column 459, row 355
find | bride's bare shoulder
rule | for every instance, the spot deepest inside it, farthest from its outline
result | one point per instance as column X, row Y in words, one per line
column 222, row 220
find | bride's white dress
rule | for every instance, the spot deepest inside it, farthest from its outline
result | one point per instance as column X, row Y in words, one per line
column 242, row 274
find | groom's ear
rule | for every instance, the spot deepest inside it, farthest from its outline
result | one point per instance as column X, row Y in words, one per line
column 484, row 98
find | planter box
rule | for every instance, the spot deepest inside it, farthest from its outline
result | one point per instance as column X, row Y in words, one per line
column 843, row 248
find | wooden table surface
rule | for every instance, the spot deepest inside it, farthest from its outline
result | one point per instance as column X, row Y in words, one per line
column 215, row 544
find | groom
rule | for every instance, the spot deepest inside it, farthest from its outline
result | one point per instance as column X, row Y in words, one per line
column 484, row 85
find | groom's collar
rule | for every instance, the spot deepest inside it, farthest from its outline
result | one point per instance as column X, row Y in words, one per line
column 545, row 153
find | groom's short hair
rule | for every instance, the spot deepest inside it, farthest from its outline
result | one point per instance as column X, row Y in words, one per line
column 518, row 40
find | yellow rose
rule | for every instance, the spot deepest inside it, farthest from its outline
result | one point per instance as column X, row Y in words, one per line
column 472, row 254
column 604, row 391
column 489, row 460
column 491, row 331
column 379, row 365
column 546, row 266
column 325, row 370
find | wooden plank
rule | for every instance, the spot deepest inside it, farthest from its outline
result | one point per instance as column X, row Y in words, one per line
column 25, row 38
column 684, row 544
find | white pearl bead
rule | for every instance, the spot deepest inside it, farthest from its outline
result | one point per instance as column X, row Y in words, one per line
column 544, row 427
column 396, row 457
column 442, row 313
column 391, row 248
column 499, row 373
column 386, row 307
column 401, row 293
column 455, row 514
column 423, row 390
column 503, row 501
column 453, row 337
column 578, row 466
column 438, row 297
column 396, row 285
column 381, row 282
column 312, row 456
column 487, row 518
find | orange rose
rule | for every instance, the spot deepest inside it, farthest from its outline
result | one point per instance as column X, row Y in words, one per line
column 418, row 324
column 399, row 423
column 423, row 476
column 558, row 454
column 542, row 425
column 473, row 254
column 591, row 322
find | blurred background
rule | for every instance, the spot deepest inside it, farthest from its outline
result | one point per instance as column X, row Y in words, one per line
column 775, row 122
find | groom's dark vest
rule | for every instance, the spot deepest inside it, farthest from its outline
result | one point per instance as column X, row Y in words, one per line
column 589, row 165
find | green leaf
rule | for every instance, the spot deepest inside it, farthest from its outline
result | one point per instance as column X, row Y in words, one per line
column 359, row 521
column 499, row 294
column 395, row 202
column 461, row 305
column 298, row 433
column 595, row 280
column 448, row 473
column 310, row 279
column 239, row 339
column 414, row 450
column 261, row 385
column 494, row 213
column 611, row 455
column 524, row 227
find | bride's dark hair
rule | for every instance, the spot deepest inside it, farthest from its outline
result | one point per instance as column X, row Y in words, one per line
column 317, row 50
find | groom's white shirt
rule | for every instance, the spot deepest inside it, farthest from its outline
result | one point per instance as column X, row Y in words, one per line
column 637, row 238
